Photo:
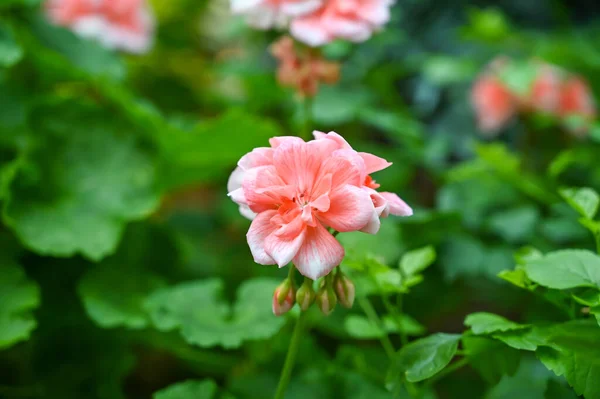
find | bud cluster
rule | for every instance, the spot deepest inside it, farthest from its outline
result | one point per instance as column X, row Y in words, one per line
column 332, row 289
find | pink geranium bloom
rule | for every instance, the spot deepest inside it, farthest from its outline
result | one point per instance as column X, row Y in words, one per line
column 494, row 104
column 353, row 20
column 576, row 99
column 265, row 14
column 545, row 90
column 296, row 190
column 117, row 24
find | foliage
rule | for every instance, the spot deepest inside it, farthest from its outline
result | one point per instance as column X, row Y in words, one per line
column 124, row 270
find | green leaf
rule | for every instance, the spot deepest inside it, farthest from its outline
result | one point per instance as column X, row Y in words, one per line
column 516, row 277
column 488, row 323
column 492, row 359
column 565, row 269
column 214, row 322
column 515, row 225
column 360, row 327
column 424, row 358
column 114, row 295
column 583, row 200
column 10, row 51
column 574, row 351
column 82, row 208
column 416, row 261
column 205, row 389
column 19, row 296
column 525, row 339
column 445, row 70
column 530, row 381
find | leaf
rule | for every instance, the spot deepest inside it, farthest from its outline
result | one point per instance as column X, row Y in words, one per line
column 574, row 351
column 583, row 200
column 516, row 277
column 416, row 261
column 19, row 296
column 492, row 359
column 530, row 381
column 360, row 327
column 205, row 389
column 515, row 225
column 82, row 208
column 114, row 295
column 488, row 323
column 565, row 269
column 196, row 309
column 10, row 51
column 424, row 358
column 445, row 70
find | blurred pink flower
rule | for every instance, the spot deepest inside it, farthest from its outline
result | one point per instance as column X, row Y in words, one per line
column 576, row 99
column 117, row 24
column 353, row 20
column 494, row 104
column 544, row 95
column 265, row 14
column 295, row 190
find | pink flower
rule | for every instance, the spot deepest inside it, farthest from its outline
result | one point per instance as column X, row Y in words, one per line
column 576, row 99
column 265, row 14
column 494, row 104
column 296, row 190
column 353, row 20
column 117, row 24
column 545, row 91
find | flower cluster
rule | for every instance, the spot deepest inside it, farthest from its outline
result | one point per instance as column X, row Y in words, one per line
column 298, row 193
column 318, row 22
column 550, row 90
column 126, row 25
column 303, row 69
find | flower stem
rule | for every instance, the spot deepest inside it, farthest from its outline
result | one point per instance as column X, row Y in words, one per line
column 307, row 103
column 396, row 313
column 290, row 359
column 372, row 316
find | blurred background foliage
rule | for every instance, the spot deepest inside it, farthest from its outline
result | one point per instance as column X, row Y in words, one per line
column 124, row 265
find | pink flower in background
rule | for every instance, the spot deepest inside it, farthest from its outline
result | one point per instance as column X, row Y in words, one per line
column 494, row 104
column 576, row 100
column 296, row 190
column 265, row 14
column 118, row 24
column 353, row 20
column 545, row 91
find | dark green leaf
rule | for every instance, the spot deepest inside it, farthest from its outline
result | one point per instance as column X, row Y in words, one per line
column 488, row 323
column 205, row 389
column 10, row 51
column 492, row 359
column 416, row 261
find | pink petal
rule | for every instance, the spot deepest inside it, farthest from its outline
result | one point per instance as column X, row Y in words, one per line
column 397, row 206
column 319, row 254
column 381, row 210
column 277, row 141
column 260, row 229
column 342, row 143
column 351, row 209
column 374, row 163
column 264, row 189
column 236, row 179
column 310, row 30
column 258, row 157
column 299, row 8
column 346, row 167
column 283, row 248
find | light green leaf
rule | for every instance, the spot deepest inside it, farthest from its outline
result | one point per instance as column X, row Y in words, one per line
column 565, row 269
column 84, row 207
column 583, row 200
column 491, row 358
column 19, row 296
column 574, row 351
column 197, row 310
column 10, row 51
column 516, row 277
column 205, row 389
column 525, row 339
column 113, row 295
column 445, row 70
column 360, row 327
column 416, row 261
column 515, row 225
column 488, row 323
column 424, row 358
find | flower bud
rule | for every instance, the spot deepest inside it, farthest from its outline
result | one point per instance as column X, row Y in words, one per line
column 326, row 300
column 305, row 295
column 283, row 298
column 345, row 291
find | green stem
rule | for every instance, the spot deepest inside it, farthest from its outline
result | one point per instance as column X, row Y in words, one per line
column 448, row 370
column 597, row 235
column 290, row 359
column 396, row 313
column 372, row 316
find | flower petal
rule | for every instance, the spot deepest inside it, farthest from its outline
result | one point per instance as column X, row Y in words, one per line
column 260, row 229
column 373, row 163
column 258, row 157
column 283, row 248
column 319, row 254
column 397, row 206
column 264, row 189
column 351, row 208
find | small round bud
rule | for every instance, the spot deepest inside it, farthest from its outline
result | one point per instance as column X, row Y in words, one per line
column 326, row 300
column 283, row 298
column 345, row 291
column 305, row 295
